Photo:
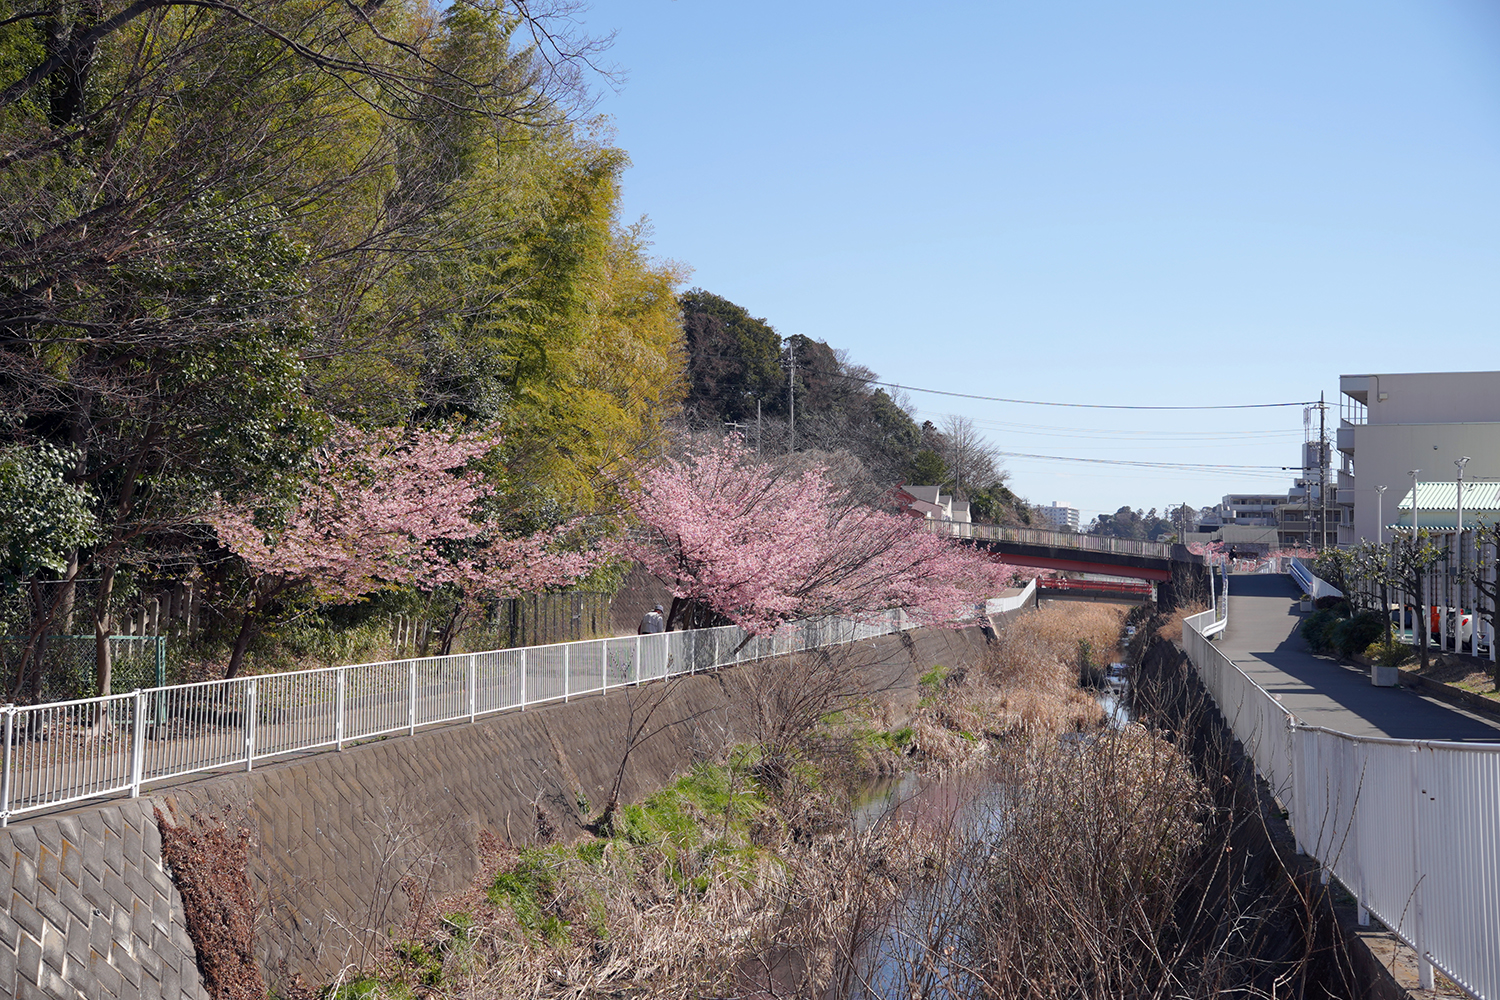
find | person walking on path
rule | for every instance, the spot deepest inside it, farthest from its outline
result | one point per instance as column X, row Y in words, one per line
column 652, row 622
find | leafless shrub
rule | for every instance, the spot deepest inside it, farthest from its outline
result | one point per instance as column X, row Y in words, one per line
column 1171, row 628
column 208, row 864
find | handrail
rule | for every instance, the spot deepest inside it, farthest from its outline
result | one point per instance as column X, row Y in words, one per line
column 1311, row 585
column 61, row 752
column 1052, row 539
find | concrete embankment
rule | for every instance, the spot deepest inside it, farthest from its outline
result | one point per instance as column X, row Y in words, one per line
column 346, row 847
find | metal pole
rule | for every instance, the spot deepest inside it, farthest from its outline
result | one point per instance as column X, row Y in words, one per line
column 1414, row 473
column 473, row 681
column 523, row 678
column 137, row 743
column 338, row 725
column 249, row 723
column 1380, row 515
column 10, row 738
column 567, row 669
column 411, row 697
column 791, row 396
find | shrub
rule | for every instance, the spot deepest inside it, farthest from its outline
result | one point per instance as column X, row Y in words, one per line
column 1328, row 602
column 1352, row 635
column 1393, row 655
column 1315, row 628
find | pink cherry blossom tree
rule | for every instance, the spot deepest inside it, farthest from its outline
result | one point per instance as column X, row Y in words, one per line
column 379, row 510
column 758, row 547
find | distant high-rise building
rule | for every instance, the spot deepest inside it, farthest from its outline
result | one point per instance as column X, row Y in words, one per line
column 1060, row 516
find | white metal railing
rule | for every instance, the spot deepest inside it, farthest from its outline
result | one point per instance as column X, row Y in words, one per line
column 1005, row 605
column 1312, row 586
column 1051, row 539
column 67, row 751
column 1410, row 827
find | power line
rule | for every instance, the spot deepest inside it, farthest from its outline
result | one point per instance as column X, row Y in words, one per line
column 1184, row 466
column 1079, row 406
column 1027, row 402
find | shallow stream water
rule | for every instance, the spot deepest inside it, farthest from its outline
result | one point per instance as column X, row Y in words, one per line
column 913, row 934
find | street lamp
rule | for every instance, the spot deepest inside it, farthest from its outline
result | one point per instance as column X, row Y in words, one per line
column 1414, row 473
column 1461, row 462
column 1379, row 516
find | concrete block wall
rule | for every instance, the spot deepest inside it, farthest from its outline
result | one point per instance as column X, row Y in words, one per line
column 91, row 913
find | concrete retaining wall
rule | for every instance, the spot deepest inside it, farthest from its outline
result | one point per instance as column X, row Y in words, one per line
column 347, row 847
column 90, row 912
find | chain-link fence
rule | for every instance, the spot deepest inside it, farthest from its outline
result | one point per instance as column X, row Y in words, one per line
column 61, row 667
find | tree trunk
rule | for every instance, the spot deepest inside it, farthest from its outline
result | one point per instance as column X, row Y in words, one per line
column 102, row 665
column 249, row 625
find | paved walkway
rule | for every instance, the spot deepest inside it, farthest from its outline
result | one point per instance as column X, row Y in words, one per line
column 1262, row 641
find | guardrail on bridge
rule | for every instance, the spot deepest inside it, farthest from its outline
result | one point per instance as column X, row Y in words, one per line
column 1051, row 539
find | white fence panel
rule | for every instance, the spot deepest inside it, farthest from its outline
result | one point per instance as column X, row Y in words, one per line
column 1411, row 828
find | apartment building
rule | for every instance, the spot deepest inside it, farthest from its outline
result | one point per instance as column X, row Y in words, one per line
column 1392, row 424
column 1059, row 516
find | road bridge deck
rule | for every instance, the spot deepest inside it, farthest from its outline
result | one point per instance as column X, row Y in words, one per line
column 1262, row 641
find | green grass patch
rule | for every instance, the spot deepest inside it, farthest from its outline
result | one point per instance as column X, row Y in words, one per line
column 527, row 889
column 364, row 988
column 707, row 798
column 933, row 680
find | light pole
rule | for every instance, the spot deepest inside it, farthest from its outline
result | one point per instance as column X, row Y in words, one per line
column 1458, row 546
column 1416, row 609
column 1379, row 515
column 1461, row 462
column 1414, row 473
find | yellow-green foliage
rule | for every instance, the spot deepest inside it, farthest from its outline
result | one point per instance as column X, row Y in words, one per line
column 709, row 799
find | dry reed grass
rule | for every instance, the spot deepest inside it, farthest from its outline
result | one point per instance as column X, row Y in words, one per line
column 1172, row 629
column 659, row 923
column 1034, row 667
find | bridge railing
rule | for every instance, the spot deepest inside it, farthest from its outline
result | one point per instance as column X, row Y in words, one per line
column 1051, row 539
column 67, row 751
column 1410, row 827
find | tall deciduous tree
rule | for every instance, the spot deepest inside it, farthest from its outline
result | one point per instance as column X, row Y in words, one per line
column 381, row 510
column 759, row 547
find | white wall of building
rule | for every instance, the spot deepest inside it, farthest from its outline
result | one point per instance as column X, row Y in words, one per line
column 1422, row 420
column 1384, row 454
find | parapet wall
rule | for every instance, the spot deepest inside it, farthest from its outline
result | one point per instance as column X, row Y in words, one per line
column 347, row 847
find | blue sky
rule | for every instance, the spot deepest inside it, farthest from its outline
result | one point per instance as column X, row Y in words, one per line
column 1138, row 203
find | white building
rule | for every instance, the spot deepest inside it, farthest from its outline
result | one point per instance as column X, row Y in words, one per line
column 1257, row 510
column 1392, row 424
column 931, row 503
column 1060, row 516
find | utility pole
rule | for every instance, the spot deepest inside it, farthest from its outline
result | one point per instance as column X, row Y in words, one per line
column 791, row 396
column 1322, row 474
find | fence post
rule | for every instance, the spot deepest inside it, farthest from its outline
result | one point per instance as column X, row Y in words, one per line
column 138, row 741
column 523, row 678
column 473, row 679
column 637, row 660
column 338, row 724
column 10, row 734
column 411, row 697
column 567, row 668
column 250, row 686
